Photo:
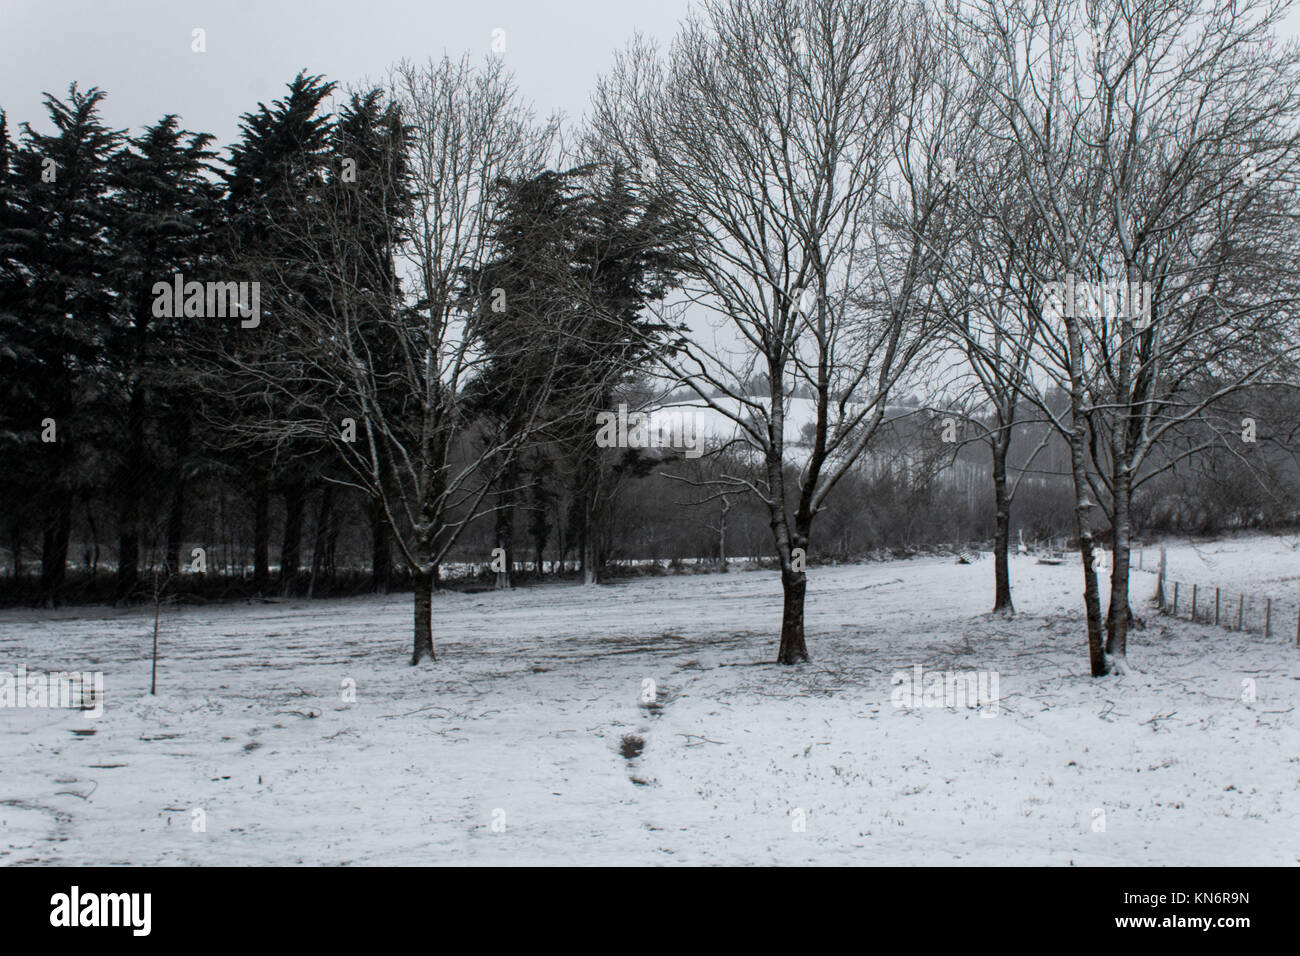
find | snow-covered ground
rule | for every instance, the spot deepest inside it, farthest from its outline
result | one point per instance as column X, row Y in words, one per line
column 533, row 738
column 1255, row 562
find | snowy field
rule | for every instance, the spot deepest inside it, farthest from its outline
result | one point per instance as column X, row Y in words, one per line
column 536, row 718
column 1266, row 563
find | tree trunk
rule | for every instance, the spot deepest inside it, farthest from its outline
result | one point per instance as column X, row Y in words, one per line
column 330, row 566
column 128, row 510
column 1091, row 599
column 538, row 525
column 423, row 616
column 176, row 508
column 261, row 531
column 793, row 650
column 381, row 559
column 54, row 552
column 722, row 535
column 590, row 551
column 1160, row 584
column 175, row 525
column 590, row 577
column 563, row 544
column 128, row 548
column 319, row 546
column 505, row 526
column 1119, row 614
column 1079, row 472
column 295, row 506
column 590, row 489
column 16, row 546
column 94, row 542
column 1002, row 541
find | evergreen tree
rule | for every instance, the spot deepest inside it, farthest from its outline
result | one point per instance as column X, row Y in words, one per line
column 578, row 256
column 164, row 208
column 629, row 255
column 277, row 174
column 53, row 327
column 523, row 300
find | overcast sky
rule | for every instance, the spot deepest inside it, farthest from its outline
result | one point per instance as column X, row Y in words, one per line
column 139, row 51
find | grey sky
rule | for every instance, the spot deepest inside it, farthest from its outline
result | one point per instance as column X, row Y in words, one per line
column 139, row 51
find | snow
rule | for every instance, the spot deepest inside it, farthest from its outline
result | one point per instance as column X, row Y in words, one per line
column 1262, row 563
column 526, row 711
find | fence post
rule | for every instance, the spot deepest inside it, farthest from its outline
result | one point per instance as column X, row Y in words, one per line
column 1241, row 604
column 1216, row 607
column 1297, row 628
column 1195, row 590
column 1268, row 618
column 1175, row 599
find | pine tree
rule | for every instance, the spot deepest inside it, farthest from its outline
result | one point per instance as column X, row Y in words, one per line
column 628, row 256
column 578, row 255
column 59, row 301
column 278, row 170
column 164, row 208
column 523, row 300
column 18, row 479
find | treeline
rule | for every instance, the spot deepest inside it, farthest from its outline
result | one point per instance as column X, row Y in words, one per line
column 149, row 433
column 136, row 432
column 142, row 420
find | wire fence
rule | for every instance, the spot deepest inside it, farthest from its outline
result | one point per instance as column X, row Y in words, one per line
column 1228, row 607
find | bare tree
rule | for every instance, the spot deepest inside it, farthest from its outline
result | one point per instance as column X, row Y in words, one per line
column 991, row 310
column 800, row 137
column 1172, row 266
